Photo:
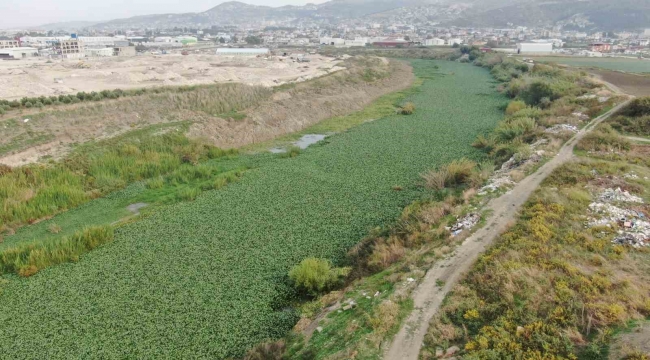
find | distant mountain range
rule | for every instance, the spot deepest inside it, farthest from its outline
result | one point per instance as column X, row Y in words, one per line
column 586, row 14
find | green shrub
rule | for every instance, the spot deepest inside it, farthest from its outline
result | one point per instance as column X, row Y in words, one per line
column 291, row 152
column 604, row 138
column 408, row 109
column 29, row 104
column 515, row 106
column 456, row 173
column 316, row 276
column 271, row 350
column 638, row 107
column 515, row 128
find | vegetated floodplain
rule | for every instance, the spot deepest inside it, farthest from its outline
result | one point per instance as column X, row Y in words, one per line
column 620, row 64
column 208, row 278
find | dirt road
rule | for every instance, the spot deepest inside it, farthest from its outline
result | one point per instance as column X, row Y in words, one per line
column 637, row 139
column 429, row 296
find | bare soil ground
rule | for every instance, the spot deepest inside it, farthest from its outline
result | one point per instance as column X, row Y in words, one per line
column 307, row 104
column 53, row 132
column 633, row 84
column 429, row 296
column 36, row 77
column 637, row 340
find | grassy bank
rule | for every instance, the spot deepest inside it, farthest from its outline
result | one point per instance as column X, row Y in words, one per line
column 558, row 284
column 238, row 243
column 32, row 193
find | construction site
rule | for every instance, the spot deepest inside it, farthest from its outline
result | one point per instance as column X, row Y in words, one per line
column 42, row 77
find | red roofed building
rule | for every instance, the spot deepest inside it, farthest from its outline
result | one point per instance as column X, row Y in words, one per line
column 600, row 47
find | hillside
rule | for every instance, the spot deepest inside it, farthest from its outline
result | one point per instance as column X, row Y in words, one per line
column 586, row 14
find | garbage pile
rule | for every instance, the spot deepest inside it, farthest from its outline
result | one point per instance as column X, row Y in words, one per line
column 618, row 195
column 561, row 128
column 634, row 228
column 465, row 223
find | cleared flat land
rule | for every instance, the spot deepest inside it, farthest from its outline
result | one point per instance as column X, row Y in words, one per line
column 207, row 279
column 36, row 77
column 619, row 64
column 633, row 84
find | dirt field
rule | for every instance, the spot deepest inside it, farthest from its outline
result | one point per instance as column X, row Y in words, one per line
column 268, row 114
column 36, row 77
column 637, row 85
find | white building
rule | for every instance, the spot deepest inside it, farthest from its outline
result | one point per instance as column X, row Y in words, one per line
column 452, row 42
column 646, row 32
column 72, row 49
column 535, row 48
column 5, row 44
column 99, row 52
column 434, row 42
column 18, row 52
column 242, row 51
column 356, row 42
column 332, row 41
column 97, row 40
column 163, row 39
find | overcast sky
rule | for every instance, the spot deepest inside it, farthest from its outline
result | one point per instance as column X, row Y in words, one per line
column 21, row 13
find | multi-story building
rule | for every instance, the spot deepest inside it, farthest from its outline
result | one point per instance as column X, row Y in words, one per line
column 71, row 49
column 7, row 44
column 600, row 47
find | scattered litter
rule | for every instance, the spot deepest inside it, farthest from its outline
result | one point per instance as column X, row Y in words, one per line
column 368, row 297
column 631, row 175
column 560, row 128
column 377, row 293
column 587, row 97
column 26, row 120
column 611, row 195
column 319, row 329
column 410, row 279
column 580, row 115
column 603, row 99
column 633, row 231
column 495, row 184
column 466, row 223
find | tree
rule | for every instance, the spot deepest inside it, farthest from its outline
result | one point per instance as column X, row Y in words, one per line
column 315, row 276
column 254, row 40
column 222, row 40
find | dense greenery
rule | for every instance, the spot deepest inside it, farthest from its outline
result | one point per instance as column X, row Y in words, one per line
column 315, row 276
column 33, row 192
column 217, row 267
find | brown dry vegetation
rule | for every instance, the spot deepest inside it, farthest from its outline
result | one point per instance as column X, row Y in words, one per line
column 214, row 110
column 305, row 104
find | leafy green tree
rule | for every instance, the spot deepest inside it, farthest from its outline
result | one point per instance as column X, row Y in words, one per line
column 315, row 276
column 254, row 40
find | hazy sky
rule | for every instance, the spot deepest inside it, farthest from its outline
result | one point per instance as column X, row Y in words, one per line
column 19, row 13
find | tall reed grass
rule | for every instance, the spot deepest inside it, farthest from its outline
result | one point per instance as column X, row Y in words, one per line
column 27, row 259
column 31, row 193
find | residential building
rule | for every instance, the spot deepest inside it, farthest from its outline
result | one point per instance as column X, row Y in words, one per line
column 99, row 52
column 124, row 50
column 5, row 44
column 72, row 49
column 600, row 47
column 434, row 42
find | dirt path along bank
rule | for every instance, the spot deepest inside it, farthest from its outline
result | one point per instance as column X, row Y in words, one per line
column 428, row 296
